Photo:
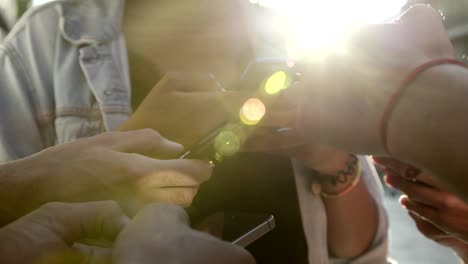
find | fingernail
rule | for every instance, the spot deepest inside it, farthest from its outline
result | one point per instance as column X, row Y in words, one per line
column 404, row 201
column 391, row 181
column 178, row 146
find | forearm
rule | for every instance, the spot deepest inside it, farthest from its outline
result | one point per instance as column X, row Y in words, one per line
column 429, row 127
column 352, row 221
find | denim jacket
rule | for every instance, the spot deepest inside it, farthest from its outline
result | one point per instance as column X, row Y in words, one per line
column 64, row 75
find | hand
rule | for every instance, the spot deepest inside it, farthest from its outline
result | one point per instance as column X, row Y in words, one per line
column 427, row 199
column 186, row 107
column 116, row 165
column 161, row 233
column 47, row 234
column 346, row 94
column 271, row 138
column 439, row 236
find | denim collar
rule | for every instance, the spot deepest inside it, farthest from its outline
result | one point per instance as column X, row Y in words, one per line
column 91, row 21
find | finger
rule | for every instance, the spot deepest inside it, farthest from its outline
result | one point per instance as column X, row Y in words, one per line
column 140, row 170
column 189, row 82
column 430, row 181
column 399, row 167
column 161, row 215
column 198, row 247
column 146, row 142
column 179, row 196
column 425, row 212
column 416, row 191
column 168, row 173
column 94, row 254
column 171, row 223
column 426, row 228
column 73, row 222
column 205, row 248
column 198, row 170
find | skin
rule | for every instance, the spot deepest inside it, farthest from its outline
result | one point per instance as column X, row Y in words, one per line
column 351, row 228
column 47, row 234
column 170, row 44
column 437, row 213
column 427, row 129
column 165, row 230
column 122, row 166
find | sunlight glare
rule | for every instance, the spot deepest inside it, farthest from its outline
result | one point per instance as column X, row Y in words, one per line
column 316, row 27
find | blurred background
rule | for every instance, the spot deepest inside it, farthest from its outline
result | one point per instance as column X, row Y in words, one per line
column 312, row 28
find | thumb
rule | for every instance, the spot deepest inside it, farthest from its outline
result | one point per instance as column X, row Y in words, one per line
column 147, row 142
column 75, row 221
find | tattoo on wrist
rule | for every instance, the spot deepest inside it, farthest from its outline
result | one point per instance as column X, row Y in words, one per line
column 341, row 176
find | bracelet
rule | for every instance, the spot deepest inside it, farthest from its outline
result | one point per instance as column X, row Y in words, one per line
column 406, row 82
column 349, row 188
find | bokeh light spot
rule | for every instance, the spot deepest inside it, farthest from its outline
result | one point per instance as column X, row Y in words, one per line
column 227, row 143
column 252, row 111
column 276, row 82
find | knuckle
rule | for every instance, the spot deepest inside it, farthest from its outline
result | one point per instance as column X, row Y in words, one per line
column 448, row 203
column 132, row 168
column 150, row 133
column 155, row 139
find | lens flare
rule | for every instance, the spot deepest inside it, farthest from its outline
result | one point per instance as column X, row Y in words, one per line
column 227, row 143
column 314, row 28
column 252, row 111
column 277, row 82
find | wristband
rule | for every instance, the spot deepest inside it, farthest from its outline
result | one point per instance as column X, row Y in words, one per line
column 406, row 82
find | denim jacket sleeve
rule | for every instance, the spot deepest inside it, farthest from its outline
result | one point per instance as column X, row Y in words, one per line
column 17, row 110
column 63, row 76
column 25, row 97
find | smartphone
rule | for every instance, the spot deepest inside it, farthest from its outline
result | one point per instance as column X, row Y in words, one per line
column 215, row 146
column 239, row 228
column 260, row 70
column 243, row 229
column 257, row 77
